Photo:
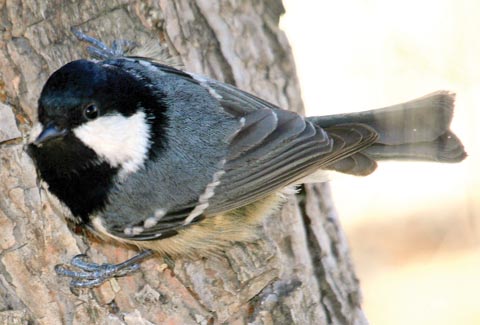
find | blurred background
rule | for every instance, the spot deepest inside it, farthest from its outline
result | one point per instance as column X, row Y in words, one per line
column 413, row 227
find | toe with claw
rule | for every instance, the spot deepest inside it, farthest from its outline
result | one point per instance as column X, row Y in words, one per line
column 100, row 50
column 90, row 275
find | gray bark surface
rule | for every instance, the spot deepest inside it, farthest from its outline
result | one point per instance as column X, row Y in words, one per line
column 298, row 272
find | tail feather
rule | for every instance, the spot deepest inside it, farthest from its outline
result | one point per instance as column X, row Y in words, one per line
column 415, row 130
column 446, row 148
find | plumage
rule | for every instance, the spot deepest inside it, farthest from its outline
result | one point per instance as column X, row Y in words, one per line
column 149, row 155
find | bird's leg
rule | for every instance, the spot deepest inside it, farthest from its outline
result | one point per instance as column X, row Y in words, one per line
column 92, row 274
column 99, row 50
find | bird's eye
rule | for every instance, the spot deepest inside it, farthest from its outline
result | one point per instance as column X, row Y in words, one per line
column 91, row 111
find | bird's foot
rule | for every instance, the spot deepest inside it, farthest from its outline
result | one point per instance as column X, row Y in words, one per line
column 99, row 50
column 91, row 275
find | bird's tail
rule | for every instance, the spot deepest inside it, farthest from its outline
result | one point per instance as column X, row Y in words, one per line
column 415, row 130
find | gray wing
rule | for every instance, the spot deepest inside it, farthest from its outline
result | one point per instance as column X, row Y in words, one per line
column 276, row 148
column 273, row 149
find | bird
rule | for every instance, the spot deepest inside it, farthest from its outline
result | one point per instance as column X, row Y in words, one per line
column 176, row 163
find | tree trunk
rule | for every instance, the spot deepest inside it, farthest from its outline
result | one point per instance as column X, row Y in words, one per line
column 298, row 272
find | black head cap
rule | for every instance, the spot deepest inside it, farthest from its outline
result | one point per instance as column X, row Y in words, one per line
column 79, row 84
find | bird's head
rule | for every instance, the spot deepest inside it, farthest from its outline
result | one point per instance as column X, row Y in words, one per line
column 89, row 113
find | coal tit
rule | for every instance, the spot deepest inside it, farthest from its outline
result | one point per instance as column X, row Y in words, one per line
column 180, row 164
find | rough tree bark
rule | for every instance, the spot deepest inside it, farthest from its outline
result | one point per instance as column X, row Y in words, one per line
column 298, row 272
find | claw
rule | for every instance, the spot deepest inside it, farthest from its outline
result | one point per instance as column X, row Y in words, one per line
column 92, row 275
column 85, row 38
column 80, row 262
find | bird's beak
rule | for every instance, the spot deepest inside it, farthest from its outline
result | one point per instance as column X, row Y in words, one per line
column 51, row 131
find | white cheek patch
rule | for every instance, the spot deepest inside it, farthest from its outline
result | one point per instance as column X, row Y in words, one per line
column 119, row 140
